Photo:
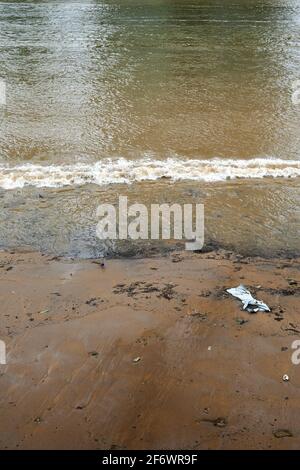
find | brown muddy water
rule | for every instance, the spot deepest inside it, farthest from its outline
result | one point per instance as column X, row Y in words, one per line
column 163, row 101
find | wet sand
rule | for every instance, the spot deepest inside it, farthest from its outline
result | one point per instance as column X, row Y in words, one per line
column 148, row 354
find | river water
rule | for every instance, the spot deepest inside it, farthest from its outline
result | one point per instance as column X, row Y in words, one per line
column 159, row 100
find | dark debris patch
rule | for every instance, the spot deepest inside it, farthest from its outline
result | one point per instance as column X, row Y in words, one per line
column 141, row 287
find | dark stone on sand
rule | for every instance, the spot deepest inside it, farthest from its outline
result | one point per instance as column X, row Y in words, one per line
column 93, row 353
column 280, row 433
column 219, row 422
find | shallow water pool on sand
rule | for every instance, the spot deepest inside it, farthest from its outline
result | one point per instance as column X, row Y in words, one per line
column 257, row 217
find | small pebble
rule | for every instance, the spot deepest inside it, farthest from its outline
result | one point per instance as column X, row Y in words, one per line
column 136, row 359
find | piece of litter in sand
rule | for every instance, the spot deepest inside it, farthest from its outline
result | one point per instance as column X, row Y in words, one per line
column 250, row 304
column 44, row 311
column 209, row 348
column 136, row 359
column 285, row 378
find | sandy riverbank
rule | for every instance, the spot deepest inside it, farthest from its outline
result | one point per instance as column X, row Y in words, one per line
column 148, row 353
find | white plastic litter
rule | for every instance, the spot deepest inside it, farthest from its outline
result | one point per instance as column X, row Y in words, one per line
column 249, row 302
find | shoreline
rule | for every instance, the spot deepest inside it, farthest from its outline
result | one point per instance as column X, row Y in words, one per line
column 30, row 217
column 148, row 353
column 142, row 170
column 162, row 249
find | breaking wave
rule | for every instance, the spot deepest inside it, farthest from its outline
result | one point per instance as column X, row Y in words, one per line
column 110, row 171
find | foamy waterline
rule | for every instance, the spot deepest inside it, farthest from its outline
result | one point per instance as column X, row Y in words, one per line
column 120, row 170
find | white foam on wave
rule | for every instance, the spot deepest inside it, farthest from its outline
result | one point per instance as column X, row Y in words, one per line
column 110, row 171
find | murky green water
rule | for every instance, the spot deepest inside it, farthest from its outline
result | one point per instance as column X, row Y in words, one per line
column 160, row 83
